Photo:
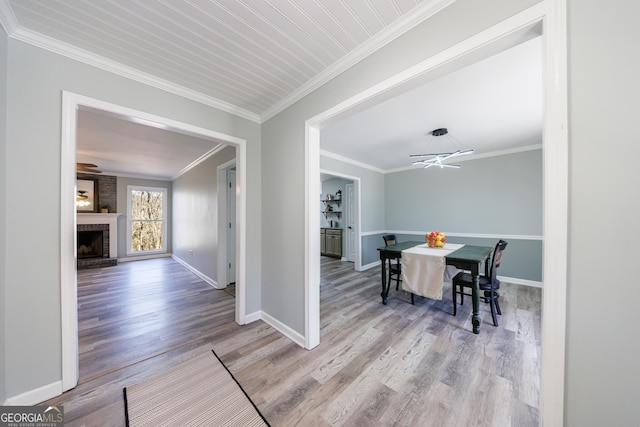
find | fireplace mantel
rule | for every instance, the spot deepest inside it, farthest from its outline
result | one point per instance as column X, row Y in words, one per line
column 103, row 218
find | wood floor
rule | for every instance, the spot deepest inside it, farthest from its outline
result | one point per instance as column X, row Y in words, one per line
column 376, row 365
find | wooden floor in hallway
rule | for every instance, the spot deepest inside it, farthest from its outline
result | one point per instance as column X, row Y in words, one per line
column 377, row 365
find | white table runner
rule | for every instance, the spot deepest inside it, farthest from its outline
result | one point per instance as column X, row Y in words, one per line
column 424, row 269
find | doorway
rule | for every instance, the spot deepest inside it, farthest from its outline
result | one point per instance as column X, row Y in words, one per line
column 70, row 106
column 548, row 15
column 349, row 219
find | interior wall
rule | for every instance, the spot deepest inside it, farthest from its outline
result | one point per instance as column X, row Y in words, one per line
column 372, row 204
column 36, row 79
column 3, row 202
column 195, row 214
column 284, row 135
column 121, row 197
column 499, row 195
column 603, row 349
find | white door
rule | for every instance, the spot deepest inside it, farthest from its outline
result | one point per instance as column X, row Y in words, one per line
column 231, row 229
column 351, row 223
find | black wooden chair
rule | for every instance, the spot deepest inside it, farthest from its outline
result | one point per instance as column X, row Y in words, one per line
column 395, row 268
column 489, row 283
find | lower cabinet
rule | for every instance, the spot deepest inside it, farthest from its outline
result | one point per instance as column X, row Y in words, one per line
column 331, row 242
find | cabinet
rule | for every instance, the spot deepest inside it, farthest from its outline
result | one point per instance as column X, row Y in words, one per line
column 332, row 207
column 331, row 242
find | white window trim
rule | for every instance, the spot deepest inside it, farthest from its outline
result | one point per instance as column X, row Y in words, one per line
column 130, row 189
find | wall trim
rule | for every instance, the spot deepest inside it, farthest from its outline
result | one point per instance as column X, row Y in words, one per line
column 367, row 166
column 421, row 12
column 65, row 49
column 252, row 317
column 393, row 31
column 197, row 272
column 35, row 396
column 454, row 234
column 472, row 235
column 143, row 257
column 283, row 329
column 522, row 282
column 371, row 265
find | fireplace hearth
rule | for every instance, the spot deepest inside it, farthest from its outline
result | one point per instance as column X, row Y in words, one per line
column 96, row 240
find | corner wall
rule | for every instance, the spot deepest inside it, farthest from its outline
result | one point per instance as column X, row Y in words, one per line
column 195, row 215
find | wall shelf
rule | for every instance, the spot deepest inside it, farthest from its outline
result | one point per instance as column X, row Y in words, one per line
column 328, row 210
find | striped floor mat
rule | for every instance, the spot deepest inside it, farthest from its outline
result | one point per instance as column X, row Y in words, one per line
column 198, row 392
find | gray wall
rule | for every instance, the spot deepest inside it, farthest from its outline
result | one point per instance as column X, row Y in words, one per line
column 3, row 204
column 122, row 183
column 499, row 195
column 195, row 214
column 35, row 80
column 505, row 193
column 284, row 135
column 493, row 195
column 602, row 386
column 603, row 344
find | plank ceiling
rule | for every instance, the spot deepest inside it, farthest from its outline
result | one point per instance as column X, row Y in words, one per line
column 251, row 57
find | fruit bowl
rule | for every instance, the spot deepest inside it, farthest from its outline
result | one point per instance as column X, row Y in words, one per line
column 435, row 239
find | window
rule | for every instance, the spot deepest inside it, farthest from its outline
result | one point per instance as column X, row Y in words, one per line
column 146, row 220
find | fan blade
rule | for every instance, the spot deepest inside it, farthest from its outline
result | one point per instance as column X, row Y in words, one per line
column 87, row 165
column 83, row 169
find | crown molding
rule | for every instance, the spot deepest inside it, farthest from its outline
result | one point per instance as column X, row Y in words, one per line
column 423, row 11
column 505, row 152
column 344, row 159
column 65, row 49
column 8, row 19
column 395, row 30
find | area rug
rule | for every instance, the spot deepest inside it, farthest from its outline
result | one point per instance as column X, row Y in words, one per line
column 198, row 392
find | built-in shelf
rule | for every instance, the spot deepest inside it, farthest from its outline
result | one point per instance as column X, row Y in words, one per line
column 328, row 210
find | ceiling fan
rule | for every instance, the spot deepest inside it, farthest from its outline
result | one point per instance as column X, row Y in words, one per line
column 438, row 159
column 87, row 167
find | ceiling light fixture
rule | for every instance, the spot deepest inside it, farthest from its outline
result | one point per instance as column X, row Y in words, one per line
column 82, row 199
column 438, row 158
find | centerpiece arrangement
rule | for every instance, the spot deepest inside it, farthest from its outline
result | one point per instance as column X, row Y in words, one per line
column 436, row 239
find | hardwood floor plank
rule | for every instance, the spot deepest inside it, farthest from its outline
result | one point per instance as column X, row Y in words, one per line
column 377, row 365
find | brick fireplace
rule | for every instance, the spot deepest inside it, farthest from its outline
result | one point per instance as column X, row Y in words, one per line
column 97, row 240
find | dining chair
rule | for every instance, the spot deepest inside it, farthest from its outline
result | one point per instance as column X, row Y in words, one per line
column 489, row 283
column 395, row 268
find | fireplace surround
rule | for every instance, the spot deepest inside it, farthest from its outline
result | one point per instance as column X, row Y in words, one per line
column 97, row 240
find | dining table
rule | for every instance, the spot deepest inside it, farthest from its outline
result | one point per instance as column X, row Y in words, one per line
column 468, row 257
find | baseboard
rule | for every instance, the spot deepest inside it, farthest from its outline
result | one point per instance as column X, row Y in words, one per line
column 195, row 271
column 143, row 257
column 35, row 396
column 250, row 318
column 368, row 266
column 524, row 282
column 283, row 329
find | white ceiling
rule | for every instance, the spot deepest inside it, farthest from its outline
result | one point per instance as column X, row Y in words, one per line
column 253, row 58
column 491, row 106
